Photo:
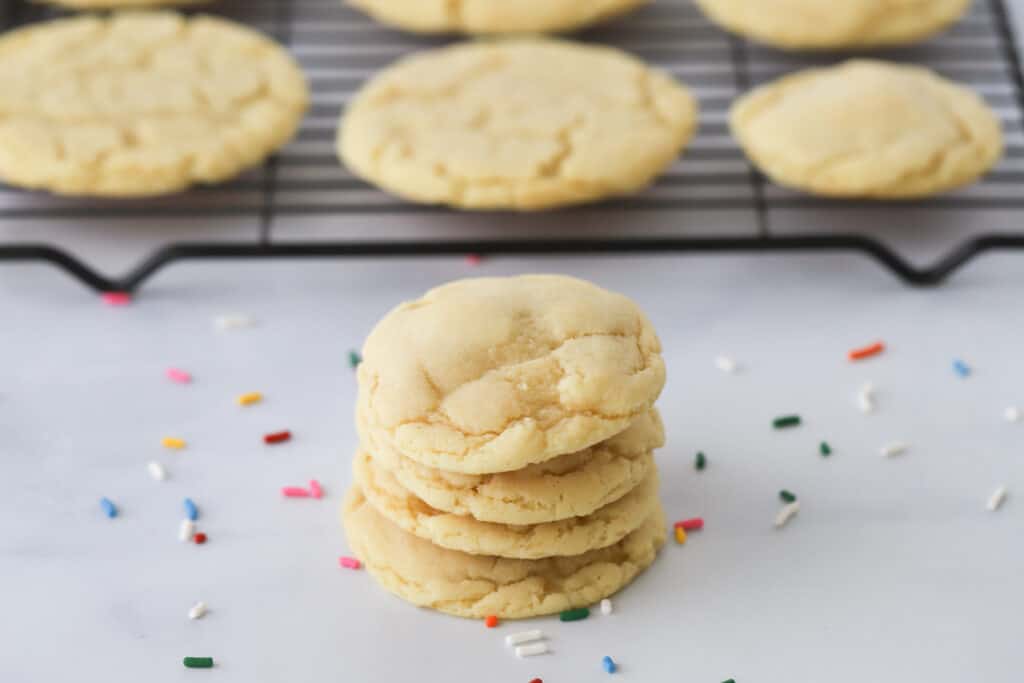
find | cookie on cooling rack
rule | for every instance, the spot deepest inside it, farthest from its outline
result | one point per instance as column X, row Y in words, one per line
column 493, row 16
column 832, row 24
column 520, row 124
column 141, row 103
column 868, row 129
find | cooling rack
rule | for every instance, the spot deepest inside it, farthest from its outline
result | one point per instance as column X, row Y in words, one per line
column 307, row 206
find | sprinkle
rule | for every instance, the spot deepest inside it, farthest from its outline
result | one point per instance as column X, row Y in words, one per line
column 786, row 513
column 109, row 509
column 191, row 511
column 277, row 437
column 866, row 351
column 491, row 621
column 606, row 607
column 233, row 321
column 680, row 535
column 354, row 359
column 531, row 650
column 173, row 442
column 1012, row 414
column 729, row 680
column 694, row 524
column 315, row 489
column 198, row 611
column 726, row 364
column 786, row 421
column 700, row 462
column 157, row 471
column 521, row 637
column 825, row 449
column 786, row 496
column 294, row 492
column 536, row 680
column 474, row 259
column 893, row 448
column 250, row 398
column 961, row 368
column 574, row 614
column 198, row 662
column 608, row 664
column 866, row 398
column 346, row 562
column 199, row 538
column 996, row 499
column 116, row 298
column 179, row 376
column 186, row 530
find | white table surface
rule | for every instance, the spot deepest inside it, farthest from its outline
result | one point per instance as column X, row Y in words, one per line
column 893, row 571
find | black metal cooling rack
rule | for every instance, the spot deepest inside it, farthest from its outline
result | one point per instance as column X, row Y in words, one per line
column 303, row 191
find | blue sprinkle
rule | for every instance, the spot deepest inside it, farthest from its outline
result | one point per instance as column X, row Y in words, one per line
column 109, row 509
column 191, row 511
column 609, row 664
column 961, row 368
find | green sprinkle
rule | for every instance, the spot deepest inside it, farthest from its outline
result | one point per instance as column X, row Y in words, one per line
column 198, row 662
column 786, row 496
column 574, row 614
column 825, row 449
column 701, row 462
column 786, row 421
column 354, row 359
column 729, row 680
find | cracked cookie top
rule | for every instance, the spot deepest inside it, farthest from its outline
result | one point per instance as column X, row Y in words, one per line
column 493, row 16
column 516, row 124
column 868, row 129
column 494, row 374
column 825, row 24
column 141, row 103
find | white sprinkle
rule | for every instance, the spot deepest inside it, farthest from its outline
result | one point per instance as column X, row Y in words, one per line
column 996, row 499
column 198, row 611
column 866, row 398
column 1012, row 414
column 233, row 321
column 606, row 607
column 786, row 513
column 726, row 364
column 523, row 637
column 157, row 471
column 186, row 531
column 531, row 650
column 894, row 448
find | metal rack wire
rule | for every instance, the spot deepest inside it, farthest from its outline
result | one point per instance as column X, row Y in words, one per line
column 339, row 48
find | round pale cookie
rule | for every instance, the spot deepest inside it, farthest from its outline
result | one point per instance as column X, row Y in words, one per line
column 828, row 24
column 868, row 129
column 493, row 374
column 570, row 485
column 572, row 536
column 480, row 585
column 516, row 124
column 493, row 16
column 141, row 103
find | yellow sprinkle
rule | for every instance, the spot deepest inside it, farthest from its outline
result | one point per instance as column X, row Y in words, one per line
column 680, row 535
column 250, row 398
column 172, row 442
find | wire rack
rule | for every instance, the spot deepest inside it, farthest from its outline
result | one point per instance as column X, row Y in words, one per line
column 307, row 205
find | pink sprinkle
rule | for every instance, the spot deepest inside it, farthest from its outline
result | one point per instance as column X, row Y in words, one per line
column 179, row 376
column 349, row 562
column 690, row 524
column 314, row 489
column 294, row 492
column 116, row 298
column 474, row 259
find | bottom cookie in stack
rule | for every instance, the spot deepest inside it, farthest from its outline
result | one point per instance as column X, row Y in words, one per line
column 480, row 585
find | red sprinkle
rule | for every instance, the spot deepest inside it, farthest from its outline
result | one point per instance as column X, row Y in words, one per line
column 349, row 562
column 199, row 538
column 474, row 259
column 116, row 298
column 277, row 437
column 315, row 489
column 866, row 351
column 491, row 621
column 690, row 524
column 294, row 492
column 536, row 680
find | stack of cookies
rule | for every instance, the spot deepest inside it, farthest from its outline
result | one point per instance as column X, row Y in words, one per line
column 506, row 435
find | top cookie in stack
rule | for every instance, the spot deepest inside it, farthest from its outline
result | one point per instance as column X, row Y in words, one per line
column 509, row 418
